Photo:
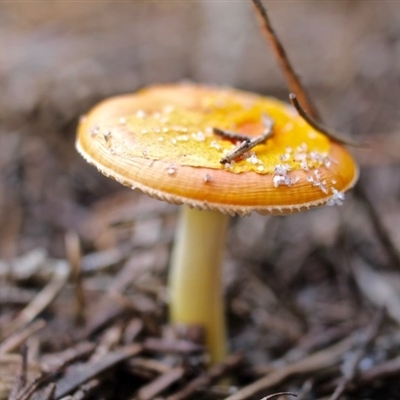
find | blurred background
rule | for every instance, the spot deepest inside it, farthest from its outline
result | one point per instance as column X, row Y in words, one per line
column 59, row 58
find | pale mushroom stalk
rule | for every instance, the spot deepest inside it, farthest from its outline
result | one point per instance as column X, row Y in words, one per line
column 196, row 276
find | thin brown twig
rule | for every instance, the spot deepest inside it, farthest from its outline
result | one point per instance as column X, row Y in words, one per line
column 57, row 361
column 335, row 136
column 17, row 338
column 385, row 370
column 285, row 65
column 172, row 346
column 210, row 376
column 75, row 377
column 20, row 380
column 162, row 382
column 108, row 341
column 86, row 389
column 369, row 337
column 50, row 392
column 378, row 226
column 30, row 389
column 314, row 362
column 42, row 300
column 64, row 359
column 149, row 364
column 24, row 364
column 272, row 396
column 307, row 109
column 305, row 390
column 74, row 257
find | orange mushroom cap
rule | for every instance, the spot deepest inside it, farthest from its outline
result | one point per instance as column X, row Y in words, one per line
column 160, row 140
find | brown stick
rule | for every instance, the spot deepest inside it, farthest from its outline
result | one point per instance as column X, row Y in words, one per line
column 29, row 389
column 74, row 257
column 42, row 300
column 285, row 65
column 335, row 136
column 50, row 392
column 380, row 230
column 271, row 396
column 315, row 362
column 17, row 338
column 369, row 337
column 210, row 376
column 162, row 382
column 77, row 376
column 86, row 389
column 386, row 370
column 172, row 346
column 20, row 380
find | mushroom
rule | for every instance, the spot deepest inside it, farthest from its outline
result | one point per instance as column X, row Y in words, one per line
column 162, row 140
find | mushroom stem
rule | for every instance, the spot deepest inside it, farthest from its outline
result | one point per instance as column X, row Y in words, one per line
column 195, row 284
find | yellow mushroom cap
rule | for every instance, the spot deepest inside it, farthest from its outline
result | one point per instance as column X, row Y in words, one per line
column 160, row 140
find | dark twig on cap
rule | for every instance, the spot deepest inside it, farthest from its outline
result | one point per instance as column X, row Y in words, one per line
column 336, row 137
column 230, row 135
column 237, row 152
column 247, row 143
